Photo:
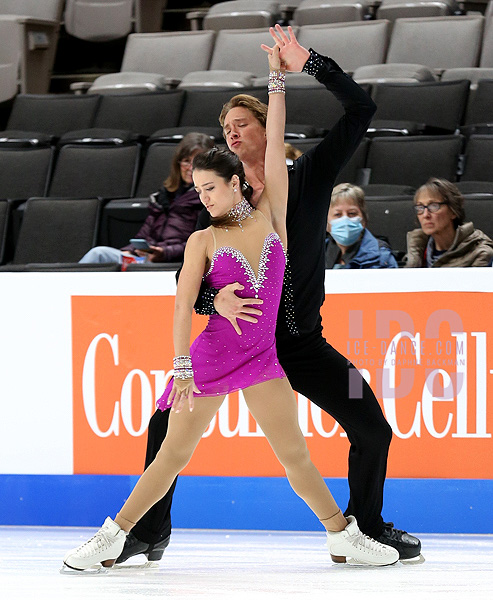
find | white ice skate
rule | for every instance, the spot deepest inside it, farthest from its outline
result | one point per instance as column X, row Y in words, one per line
column 105, row 547
column 353, row 547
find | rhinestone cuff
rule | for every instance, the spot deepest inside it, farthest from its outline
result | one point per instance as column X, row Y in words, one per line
column 205, row 302
column 313, row 64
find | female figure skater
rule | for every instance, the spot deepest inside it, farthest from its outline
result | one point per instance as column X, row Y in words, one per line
column 246, row 245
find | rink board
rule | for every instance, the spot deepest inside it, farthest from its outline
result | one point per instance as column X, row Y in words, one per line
column 84, row 356
column 420, row 505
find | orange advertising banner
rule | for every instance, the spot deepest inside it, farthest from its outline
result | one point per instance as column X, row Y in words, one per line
column 424, row 353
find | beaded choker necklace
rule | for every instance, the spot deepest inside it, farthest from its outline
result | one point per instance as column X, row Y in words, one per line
column 240, row 212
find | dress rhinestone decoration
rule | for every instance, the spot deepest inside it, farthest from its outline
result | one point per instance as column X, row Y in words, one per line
column 240, row 212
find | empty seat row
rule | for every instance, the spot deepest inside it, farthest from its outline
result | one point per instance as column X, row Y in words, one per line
column 120, row 171
column 427, row 107
column 264, row 13
column 234, row 58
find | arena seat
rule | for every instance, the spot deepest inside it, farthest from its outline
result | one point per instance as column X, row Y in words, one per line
column 313, row 12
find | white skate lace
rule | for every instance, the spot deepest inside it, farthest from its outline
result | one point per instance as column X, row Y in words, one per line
column 367, row 543
column 97, row 543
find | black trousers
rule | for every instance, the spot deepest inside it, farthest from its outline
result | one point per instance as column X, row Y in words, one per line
column 316, row 370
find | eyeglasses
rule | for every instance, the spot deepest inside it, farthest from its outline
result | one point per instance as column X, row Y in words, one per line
column 432, row 207
column 186, row 162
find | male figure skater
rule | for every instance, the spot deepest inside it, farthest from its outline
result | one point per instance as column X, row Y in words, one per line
column 314, row 368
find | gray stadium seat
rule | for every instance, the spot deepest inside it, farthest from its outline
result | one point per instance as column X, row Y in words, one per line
column 139, row 113
column 313, row 12
column 24, row 172
column 74, row 221
column 154, row 61
column 438, row 105
column 235, row 50
column 479, row 114
column 242, row 14
column 478, row 159
column 98, row 20
column 391, row 218
column 394, row 73
column 437, row 42
column 396, row 9
column 412, row 160
column 351, row 45
column 50, row 114
column 88, row 171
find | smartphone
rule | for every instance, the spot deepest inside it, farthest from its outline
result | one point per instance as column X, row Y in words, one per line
column 141, row 245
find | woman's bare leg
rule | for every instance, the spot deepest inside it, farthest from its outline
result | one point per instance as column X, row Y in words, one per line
column 273, row 405
column 184, row 433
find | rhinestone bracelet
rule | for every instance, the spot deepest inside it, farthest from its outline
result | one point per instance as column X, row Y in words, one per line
column 277, row 82
column 183, row 373
column 182, row 362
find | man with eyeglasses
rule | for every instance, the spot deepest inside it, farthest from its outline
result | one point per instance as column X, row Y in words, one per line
column 445, row 239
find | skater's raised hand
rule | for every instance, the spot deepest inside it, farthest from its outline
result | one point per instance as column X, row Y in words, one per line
column 293, row 56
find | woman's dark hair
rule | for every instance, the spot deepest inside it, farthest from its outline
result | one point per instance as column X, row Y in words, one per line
column 224, row 164
column 449, row 193
column 190, row 143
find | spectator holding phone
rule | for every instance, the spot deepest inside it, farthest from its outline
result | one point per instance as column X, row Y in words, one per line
column 173, row 212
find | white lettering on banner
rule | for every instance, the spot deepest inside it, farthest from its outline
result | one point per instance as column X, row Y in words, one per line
column 428, row 398
column 126, row 402
column 460, row 391
column 89, row 386
column 454, row 388
column 462, row 400
column 124, row 405
column 389, row 388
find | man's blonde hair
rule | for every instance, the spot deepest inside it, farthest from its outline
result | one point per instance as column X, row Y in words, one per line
column 254, row 105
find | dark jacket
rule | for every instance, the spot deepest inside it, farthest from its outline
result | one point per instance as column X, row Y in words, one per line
column 368, row 253
column 172, row 218
column 311, row 179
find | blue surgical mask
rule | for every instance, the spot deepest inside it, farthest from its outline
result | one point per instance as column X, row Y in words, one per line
column 346, row 230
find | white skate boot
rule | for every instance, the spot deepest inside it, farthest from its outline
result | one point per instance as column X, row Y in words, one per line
column 105, row 547
column 353, row 547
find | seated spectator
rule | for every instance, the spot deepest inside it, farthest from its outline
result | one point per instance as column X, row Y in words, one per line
column 444, row 239
column 173, row 211
column 349, row 244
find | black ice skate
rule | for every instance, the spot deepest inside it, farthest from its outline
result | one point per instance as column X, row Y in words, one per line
column 409, row 547
column 133, row 547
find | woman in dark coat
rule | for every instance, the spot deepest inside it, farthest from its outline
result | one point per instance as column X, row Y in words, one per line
column 173, row 211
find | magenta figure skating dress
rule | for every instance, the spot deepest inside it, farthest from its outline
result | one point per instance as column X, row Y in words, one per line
column 222, row 360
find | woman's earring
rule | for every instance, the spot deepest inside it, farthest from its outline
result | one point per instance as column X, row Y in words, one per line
column 235, row 189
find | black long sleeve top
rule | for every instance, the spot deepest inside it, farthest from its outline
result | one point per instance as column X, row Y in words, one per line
column 311, row 179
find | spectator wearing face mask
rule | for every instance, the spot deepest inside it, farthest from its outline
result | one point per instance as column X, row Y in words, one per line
column 349, row 243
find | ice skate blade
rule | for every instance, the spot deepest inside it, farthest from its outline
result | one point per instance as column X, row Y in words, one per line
column 417, row 560
column 94, row 570
column 141, row 566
